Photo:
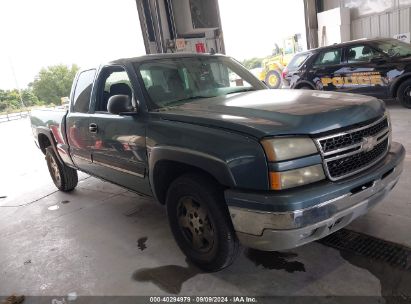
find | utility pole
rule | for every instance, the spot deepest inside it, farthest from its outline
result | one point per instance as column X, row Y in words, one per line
column 17, row 84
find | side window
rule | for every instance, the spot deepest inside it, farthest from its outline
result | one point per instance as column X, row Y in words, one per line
column 117, row 77
column 329, row 58
column 360, row 53
column 82, row 92
column 113, row 81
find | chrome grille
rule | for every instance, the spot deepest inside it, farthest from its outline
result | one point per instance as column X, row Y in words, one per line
column 344, row 140
column 353, row 151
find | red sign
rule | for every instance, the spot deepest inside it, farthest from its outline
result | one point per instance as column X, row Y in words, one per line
column 200, row 47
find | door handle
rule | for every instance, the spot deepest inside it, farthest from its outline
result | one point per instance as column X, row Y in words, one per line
column 92, row 128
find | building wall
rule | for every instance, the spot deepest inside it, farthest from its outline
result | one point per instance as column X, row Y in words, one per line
column 375, row 18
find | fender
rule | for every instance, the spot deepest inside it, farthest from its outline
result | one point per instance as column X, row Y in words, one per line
column 208, row 163
column 396, row 83
column 47, row 132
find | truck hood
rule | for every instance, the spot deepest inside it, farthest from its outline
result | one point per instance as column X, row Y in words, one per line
column 278, row 112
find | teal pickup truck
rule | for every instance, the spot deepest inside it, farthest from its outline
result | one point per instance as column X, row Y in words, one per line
column 234, row 162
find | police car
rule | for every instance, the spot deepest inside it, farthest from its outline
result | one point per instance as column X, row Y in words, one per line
column 376, row 67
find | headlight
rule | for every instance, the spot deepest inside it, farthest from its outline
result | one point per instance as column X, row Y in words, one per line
column 283, row 148
column 297, row 177
column 388, row 119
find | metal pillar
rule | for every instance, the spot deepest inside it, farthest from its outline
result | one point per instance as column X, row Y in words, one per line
column 181, row 26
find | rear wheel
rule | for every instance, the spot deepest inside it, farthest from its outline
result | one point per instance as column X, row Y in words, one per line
column 200, row 223
column 64, row 177
column 404, row 93
column 273, row 79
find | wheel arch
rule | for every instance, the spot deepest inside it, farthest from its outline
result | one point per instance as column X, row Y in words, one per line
column 302, row 83
column 46, row 139
column 396, row 84
column 44, row 142
column 167, row 163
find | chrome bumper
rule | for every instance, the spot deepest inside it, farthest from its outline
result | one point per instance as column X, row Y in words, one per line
column 284, row 230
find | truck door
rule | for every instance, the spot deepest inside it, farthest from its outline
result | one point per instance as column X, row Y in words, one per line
column 119, row 152
column 325, row 72
column 365, row 71
column 77, row 121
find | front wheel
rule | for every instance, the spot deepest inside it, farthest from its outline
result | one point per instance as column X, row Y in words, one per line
column 273, row 79
column 404, row 94
column 64, row 177
column 199, row 220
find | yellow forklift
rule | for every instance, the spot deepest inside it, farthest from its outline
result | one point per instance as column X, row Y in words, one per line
column 274, row 65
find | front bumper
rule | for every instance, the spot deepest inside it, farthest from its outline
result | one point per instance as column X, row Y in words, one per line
column 337, row 204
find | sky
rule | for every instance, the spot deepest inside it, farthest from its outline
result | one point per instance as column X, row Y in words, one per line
column 41, row 33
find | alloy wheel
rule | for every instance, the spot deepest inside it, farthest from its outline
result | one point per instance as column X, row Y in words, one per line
column 195, row 224
column 55, row 170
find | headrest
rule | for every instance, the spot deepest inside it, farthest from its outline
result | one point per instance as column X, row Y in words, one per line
column 120, row 89
column 366, row 50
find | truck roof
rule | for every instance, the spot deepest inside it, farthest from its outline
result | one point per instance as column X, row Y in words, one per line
column 163, row 56
column 150, row 57
column 348, row 43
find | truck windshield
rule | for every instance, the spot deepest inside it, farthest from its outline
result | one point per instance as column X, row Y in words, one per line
column 177, row 81
column 394, row 48
column 297, row 61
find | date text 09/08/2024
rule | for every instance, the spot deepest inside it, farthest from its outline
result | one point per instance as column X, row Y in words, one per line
column 204, row 299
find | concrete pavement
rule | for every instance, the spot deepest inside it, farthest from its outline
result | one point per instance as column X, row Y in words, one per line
column 104, row 240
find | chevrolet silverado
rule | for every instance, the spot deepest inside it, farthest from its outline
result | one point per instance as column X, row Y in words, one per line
column 233, row 162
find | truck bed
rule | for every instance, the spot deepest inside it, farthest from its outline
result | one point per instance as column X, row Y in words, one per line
column 47, row 117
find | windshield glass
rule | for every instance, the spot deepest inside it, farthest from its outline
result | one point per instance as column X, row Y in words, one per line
column 297, row 61
column 177, row 81
column 394, row 48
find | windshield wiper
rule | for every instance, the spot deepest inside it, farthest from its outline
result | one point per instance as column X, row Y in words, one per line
column 182, row 101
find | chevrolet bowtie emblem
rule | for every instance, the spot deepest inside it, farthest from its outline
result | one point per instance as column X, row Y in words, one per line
column 368, row 143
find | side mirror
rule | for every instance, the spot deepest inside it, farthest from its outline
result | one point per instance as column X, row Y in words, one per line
column 119, row 104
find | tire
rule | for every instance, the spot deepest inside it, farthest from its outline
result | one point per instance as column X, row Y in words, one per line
column 404, row 94
column 273, row 79
column 64, row 177
column 199, row 220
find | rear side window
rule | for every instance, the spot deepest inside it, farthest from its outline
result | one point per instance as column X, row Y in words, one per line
column 297, row 61
column 82, row 92
column 361, row 53
column 329, row 58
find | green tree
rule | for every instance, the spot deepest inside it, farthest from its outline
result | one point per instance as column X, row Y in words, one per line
column 9, row 100
column 29, row 98
column 253, row 63
column 53, row 82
